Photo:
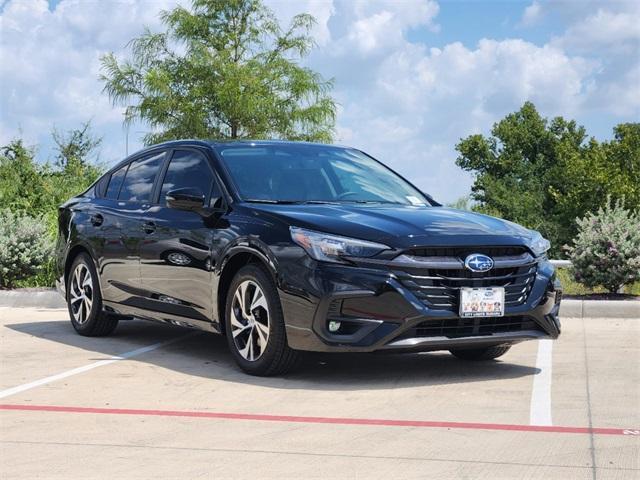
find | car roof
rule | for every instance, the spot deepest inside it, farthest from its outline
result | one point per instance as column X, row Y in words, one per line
column 215, row 144
column 243, row 142
column 221, row 143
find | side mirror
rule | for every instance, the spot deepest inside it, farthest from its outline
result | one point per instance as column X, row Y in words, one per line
column 191, row 199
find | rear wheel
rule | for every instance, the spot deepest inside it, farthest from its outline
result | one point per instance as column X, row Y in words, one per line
column 84, row 300
column 255, row 325
column 488, row 353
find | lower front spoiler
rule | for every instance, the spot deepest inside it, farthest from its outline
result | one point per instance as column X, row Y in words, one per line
column 446, row 343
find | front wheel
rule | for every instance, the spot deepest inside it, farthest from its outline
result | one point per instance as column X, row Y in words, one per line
column 84, row 300
column 488, row 353
column 255, row 325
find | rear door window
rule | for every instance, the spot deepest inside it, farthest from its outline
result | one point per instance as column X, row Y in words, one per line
column 139, row 180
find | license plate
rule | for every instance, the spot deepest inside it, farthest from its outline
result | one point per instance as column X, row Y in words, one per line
column 482, row 302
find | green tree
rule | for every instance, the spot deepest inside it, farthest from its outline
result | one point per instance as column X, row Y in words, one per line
column 546, row 173
column 33, row 188
column 76, row 146
column 623, row 157
column 21, row 179
column 223, row 69
column 75, row 166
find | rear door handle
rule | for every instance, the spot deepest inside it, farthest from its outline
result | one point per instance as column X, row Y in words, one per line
column 149, row 227
column 96, row 220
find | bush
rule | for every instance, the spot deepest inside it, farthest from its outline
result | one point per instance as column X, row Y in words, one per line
column 24, row 247
column 606, row 250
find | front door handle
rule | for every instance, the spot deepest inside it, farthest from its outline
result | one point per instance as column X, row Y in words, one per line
column 149, row 227
column 96, row 220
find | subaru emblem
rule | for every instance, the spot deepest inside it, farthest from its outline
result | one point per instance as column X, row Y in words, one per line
column 477, row 262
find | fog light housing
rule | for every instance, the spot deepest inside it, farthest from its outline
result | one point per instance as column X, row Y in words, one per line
column 334, row 326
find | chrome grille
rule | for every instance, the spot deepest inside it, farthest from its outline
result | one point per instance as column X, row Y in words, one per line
column 462, row 252
column 437, row 280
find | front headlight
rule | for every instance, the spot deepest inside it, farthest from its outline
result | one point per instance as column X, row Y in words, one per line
column 538, row 244
column 332, row 248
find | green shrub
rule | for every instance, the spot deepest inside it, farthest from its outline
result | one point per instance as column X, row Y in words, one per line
column 606, row 251
column 24, row 247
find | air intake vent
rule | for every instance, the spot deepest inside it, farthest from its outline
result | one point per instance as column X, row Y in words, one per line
column 470, row 327
column 335, row 307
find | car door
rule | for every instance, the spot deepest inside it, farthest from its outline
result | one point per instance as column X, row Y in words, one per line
column 119, row 216
column 175, row 258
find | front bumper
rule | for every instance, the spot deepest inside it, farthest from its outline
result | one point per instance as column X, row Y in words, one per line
column 378, row 313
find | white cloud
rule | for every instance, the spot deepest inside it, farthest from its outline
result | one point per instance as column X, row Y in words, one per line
column 532, row 14
column 406, row 13
column 604, row 29
column 621, row 95
column 373, row 28
column 610, row 33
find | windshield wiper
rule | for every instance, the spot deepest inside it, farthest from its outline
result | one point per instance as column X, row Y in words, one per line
column 373, row 201
column 266, row 200
column 320, row 202
column 291, row 202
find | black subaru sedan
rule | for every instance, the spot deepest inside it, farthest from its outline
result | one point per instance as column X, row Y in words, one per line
column 286, row 247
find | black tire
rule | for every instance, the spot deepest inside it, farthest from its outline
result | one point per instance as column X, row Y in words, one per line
column 277, row 358
column 97, row 323
column 476, row 354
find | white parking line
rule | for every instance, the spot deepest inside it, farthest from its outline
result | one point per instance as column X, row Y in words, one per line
column 100, row 363
column 540, row 413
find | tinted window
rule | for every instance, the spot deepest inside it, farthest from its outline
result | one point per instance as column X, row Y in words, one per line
column 115, row 183
column 138, row 183
column 188, row 169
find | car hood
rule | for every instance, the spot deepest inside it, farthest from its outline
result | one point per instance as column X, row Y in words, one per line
column 400, row 226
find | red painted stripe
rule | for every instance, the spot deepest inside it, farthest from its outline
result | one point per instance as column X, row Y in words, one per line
column 324, row 420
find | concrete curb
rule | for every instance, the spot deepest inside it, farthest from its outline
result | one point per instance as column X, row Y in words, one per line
column 32, row 298
column 569, row 307
column 600, row 308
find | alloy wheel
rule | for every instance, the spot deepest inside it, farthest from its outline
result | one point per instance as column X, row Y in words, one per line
column 250, row 320
column 81, row 293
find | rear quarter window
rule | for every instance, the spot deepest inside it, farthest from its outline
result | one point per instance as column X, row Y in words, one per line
column 115, row 182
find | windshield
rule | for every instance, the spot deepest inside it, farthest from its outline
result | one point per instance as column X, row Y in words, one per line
column 290, row 173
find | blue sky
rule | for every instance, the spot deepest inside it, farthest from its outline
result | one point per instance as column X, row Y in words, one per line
column 412, row 76
column 468, row 22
